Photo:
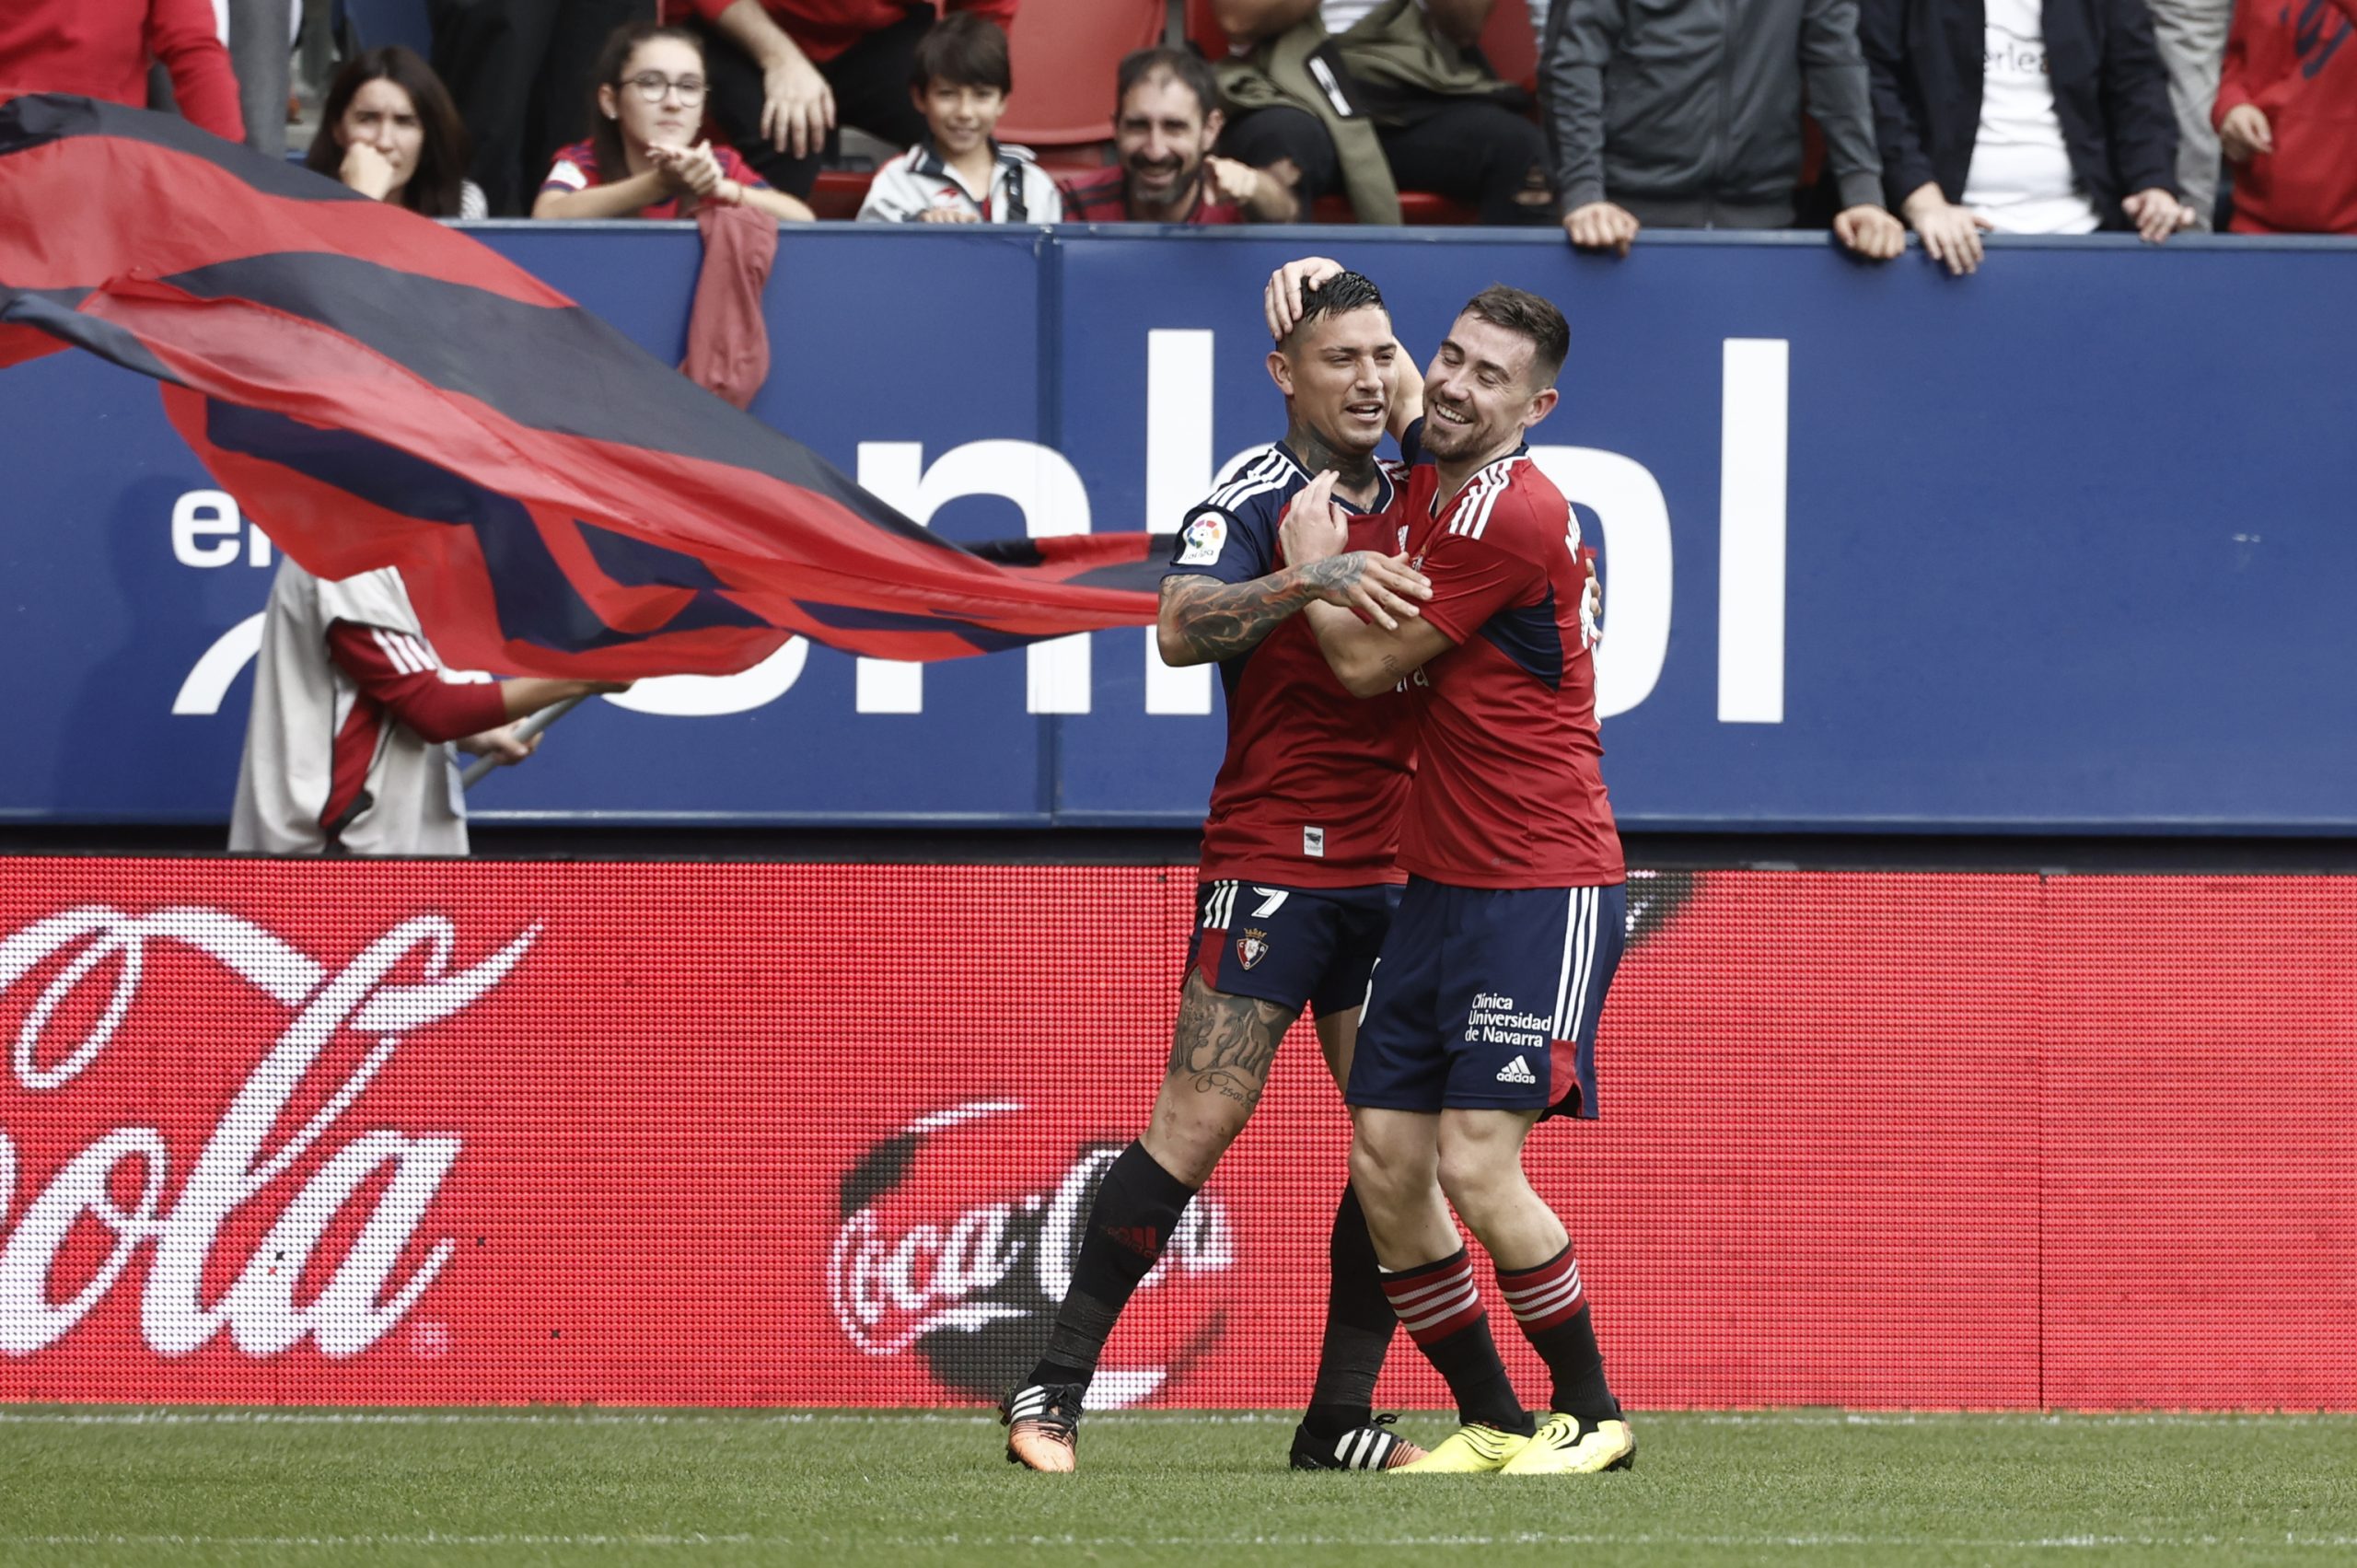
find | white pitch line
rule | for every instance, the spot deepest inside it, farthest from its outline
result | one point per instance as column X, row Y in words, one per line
column 1517, row 1537
column 2024, row 1418
column 728, row 1416
column 755, row 1416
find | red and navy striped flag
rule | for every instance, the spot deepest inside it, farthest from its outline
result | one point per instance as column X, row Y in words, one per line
column 379, row 390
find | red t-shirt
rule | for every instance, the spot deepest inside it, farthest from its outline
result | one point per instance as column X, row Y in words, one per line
column 1102, row 196
column 2299, row 65
column 1508, row 792
column 100, row 49
column 575, row 168
column 1312, row 788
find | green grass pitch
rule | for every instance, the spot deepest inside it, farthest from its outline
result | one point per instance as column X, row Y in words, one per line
column 200, row 1486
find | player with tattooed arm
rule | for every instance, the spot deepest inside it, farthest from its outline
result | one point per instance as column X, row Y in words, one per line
column 1296, row 884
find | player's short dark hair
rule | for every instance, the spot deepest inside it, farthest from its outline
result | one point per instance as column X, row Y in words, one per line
column 1519, row 310
column 965, row 49
column 1338, row 295
column 1183, row 66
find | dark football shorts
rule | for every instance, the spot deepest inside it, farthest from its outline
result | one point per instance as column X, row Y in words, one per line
column 1487, row 998
column 1290, row 945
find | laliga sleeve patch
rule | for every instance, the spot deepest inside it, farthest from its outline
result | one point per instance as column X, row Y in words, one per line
column 1203, row 540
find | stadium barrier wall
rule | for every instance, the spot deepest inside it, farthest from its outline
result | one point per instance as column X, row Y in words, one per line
column 729, row 1135
column 2062, row 547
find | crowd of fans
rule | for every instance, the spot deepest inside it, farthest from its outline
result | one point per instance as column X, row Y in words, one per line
column 1951, row 117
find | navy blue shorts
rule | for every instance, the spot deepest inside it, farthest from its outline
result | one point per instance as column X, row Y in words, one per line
column 1290, row 945
column 1487, row 998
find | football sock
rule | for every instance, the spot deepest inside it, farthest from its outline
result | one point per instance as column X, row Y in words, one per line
column 1137, row 1207
column 1359, row 1321
column 1441, row 1307
column 1552, row 1309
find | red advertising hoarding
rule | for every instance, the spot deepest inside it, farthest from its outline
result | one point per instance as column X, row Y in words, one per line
column 756, row 1133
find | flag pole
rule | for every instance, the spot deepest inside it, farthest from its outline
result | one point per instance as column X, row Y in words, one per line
column 529, row 728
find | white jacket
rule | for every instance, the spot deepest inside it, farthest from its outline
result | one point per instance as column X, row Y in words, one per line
column 1020, row 191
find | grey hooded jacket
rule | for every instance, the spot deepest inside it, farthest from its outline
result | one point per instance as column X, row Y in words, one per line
column 1687, row 113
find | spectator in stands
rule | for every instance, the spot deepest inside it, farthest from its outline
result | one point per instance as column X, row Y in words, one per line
column 348, row 749
column 787, row 73
column 1166, row 121
column 2287, row 116
column 1978, row 135
column 642, row 159
column 1689, row 117
column 2192, row 38
column 349, row 742
column 389, row 130
column 959, row 173
column 101, row 50
column 1442, row 123
column 518, row 70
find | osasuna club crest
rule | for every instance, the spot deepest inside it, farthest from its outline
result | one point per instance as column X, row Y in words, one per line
column 1252, row 947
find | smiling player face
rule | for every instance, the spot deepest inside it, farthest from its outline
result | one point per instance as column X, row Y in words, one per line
column 1337, row 370
column 1478, row 396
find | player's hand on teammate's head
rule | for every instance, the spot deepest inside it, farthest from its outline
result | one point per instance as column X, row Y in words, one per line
column 1280, row 300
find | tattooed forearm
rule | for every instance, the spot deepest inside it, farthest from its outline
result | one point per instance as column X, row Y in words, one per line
column 1211, row 621
column 1225, row 1044
column 1206, row 621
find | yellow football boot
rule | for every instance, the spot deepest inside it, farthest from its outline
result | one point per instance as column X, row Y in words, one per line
column 1472, row 1450
column 1562, row 1447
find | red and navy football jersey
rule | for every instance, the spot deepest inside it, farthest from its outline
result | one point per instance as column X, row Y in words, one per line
column 1509, row 792
column 1314, row 780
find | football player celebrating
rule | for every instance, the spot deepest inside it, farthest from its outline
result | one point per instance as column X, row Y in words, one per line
column 1296, row 883
column 1481, row 1015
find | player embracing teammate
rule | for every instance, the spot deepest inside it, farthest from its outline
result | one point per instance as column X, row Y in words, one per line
column 1479, row 1019
column 1296, row 884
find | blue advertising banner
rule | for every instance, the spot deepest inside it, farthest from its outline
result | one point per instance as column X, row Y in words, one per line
column 2061, row 547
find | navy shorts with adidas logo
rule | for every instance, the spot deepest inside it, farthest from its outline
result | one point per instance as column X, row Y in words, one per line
column 1290, row 945
column 1487, row 998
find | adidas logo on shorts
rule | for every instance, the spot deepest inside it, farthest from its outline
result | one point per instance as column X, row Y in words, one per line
column 1517, row 1072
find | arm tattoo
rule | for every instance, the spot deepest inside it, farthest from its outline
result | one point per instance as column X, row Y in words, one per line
column 1224, row 1045
column 1220, row 620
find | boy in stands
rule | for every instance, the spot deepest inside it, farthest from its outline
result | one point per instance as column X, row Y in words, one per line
column 959, row 173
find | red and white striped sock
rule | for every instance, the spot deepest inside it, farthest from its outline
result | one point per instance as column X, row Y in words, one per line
column 1435, row 1300
column 1550, row 1303
column 1441, row 1309
column 1546, row 1295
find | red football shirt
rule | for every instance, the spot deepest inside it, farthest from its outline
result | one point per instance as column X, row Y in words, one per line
column 1314, row 780
column 1508, row 792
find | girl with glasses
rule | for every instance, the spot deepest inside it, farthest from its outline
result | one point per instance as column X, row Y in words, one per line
column 644, row 157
